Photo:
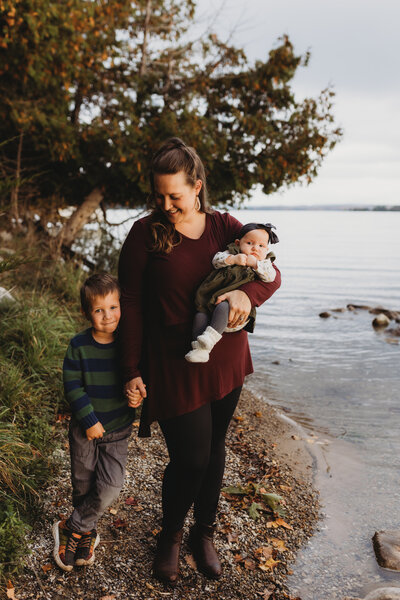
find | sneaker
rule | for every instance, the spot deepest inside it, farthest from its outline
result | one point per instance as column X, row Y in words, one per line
column 65, row 545
column 87, row 544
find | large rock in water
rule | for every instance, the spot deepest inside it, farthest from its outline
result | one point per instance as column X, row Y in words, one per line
column 387, row 549
column 381, row 320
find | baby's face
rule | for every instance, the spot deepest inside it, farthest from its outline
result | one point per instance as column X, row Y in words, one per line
column 255, row 243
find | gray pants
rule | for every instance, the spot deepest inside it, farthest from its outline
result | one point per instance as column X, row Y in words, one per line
column 97, row 474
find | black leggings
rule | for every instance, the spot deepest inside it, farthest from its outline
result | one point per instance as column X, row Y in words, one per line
column 196, row 447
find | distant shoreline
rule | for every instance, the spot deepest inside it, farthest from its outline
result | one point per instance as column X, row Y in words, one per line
column 350, row 207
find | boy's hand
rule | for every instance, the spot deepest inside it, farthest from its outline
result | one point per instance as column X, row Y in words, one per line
column 134, row 398
column 95, row 431
column 251, row 261
column 135, row 391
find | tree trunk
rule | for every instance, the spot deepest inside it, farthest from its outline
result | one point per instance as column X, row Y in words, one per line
column 80, row 217
column 15, row 189
column 143, row 62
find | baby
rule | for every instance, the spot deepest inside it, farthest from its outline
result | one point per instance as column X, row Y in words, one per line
column 245, row 259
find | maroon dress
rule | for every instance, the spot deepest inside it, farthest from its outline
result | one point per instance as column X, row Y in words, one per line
column 157, row 304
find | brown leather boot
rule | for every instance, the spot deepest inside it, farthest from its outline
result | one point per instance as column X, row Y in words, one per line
column 201, row 543
column 166, row 561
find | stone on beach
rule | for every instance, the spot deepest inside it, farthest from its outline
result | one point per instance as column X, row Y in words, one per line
column 387, row 549
column 394, row 331
column 393, row 315
column 358, row 307
column 381, row 320
column 325, row 315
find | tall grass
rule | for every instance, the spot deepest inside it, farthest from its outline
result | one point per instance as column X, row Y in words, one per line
column 34, row 334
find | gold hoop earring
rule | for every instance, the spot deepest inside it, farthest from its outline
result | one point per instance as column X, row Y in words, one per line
column 197, row 204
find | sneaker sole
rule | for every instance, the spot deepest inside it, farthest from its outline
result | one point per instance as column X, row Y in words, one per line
column 56, row 557
column 81, row 562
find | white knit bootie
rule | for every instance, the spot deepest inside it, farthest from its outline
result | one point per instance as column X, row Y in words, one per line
column 203, row 345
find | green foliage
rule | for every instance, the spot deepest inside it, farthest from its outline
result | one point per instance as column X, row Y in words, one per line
column 13, row 542
column 10, row 263
column 88, row 90
column 256, row 499
column 34, row 335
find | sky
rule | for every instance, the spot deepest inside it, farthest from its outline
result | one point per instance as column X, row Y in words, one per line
column 355, row 47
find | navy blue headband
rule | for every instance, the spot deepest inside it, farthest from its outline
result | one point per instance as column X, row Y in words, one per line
column 273, row 238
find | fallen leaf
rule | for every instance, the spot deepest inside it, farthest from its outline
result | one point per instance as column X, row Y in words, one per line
column 264, row 552
column 10, row 590
column 266, row 594
column 238, row 558
column 238, row 418
column 138, row 508
column 274, row 501
column 113, row 511
column 285, row 488
column 268, row 565
column 47, row 567
column 254, row 509
column 131, row 501
column 151, row 587
column 249, row 564
column 283, row 523
column 278, row 544
column 119, row 523
column 190, row 561
column 258, row 414
column 234, row 490
column 272, row 524
column 155, row 531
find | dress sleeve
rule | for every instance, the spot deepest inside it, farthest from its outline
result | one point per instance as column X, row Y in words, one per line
column 258, row 291
column 131, row 270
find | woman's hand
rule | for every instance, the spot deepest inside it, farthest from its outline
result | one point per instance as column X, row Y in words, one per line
column 132, row 389
column 240, row 307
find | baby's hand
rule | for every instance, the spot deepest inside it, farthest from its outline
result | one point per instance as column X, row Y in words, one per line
column 241, row 259
column 134, row 398
column 95, row 431
column 251, row 261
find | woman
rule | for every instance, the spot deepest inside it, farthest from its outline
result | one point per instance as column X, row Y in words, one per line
column 163, row 261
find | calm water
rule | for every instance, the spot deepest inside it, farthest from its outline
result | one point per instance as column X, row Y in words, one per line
column 339, row 378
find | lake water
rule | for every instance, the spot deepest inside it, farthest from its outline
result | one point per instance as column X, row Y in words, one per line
column 339, row 378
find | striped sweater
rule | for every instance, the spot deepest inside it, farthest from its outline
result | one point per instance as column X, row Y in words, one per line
column 92, row 383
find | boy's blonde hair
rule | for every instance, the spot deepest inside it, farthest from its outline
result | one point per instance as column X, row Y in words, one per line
column 99, row 284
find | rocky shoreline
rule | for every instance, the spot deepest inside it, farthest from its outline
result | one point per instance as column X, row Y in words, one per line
column 265, row 456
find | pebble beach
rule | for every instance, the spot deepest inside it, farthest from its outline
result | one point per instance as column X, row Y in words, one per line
column 265, row 455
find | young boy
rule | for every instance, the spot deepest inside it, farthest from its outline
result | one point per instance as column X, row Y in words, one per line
column 100, row 426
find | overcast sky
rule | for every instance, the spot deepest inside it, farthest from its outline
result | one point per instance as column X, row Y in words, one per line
column 355, row 46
